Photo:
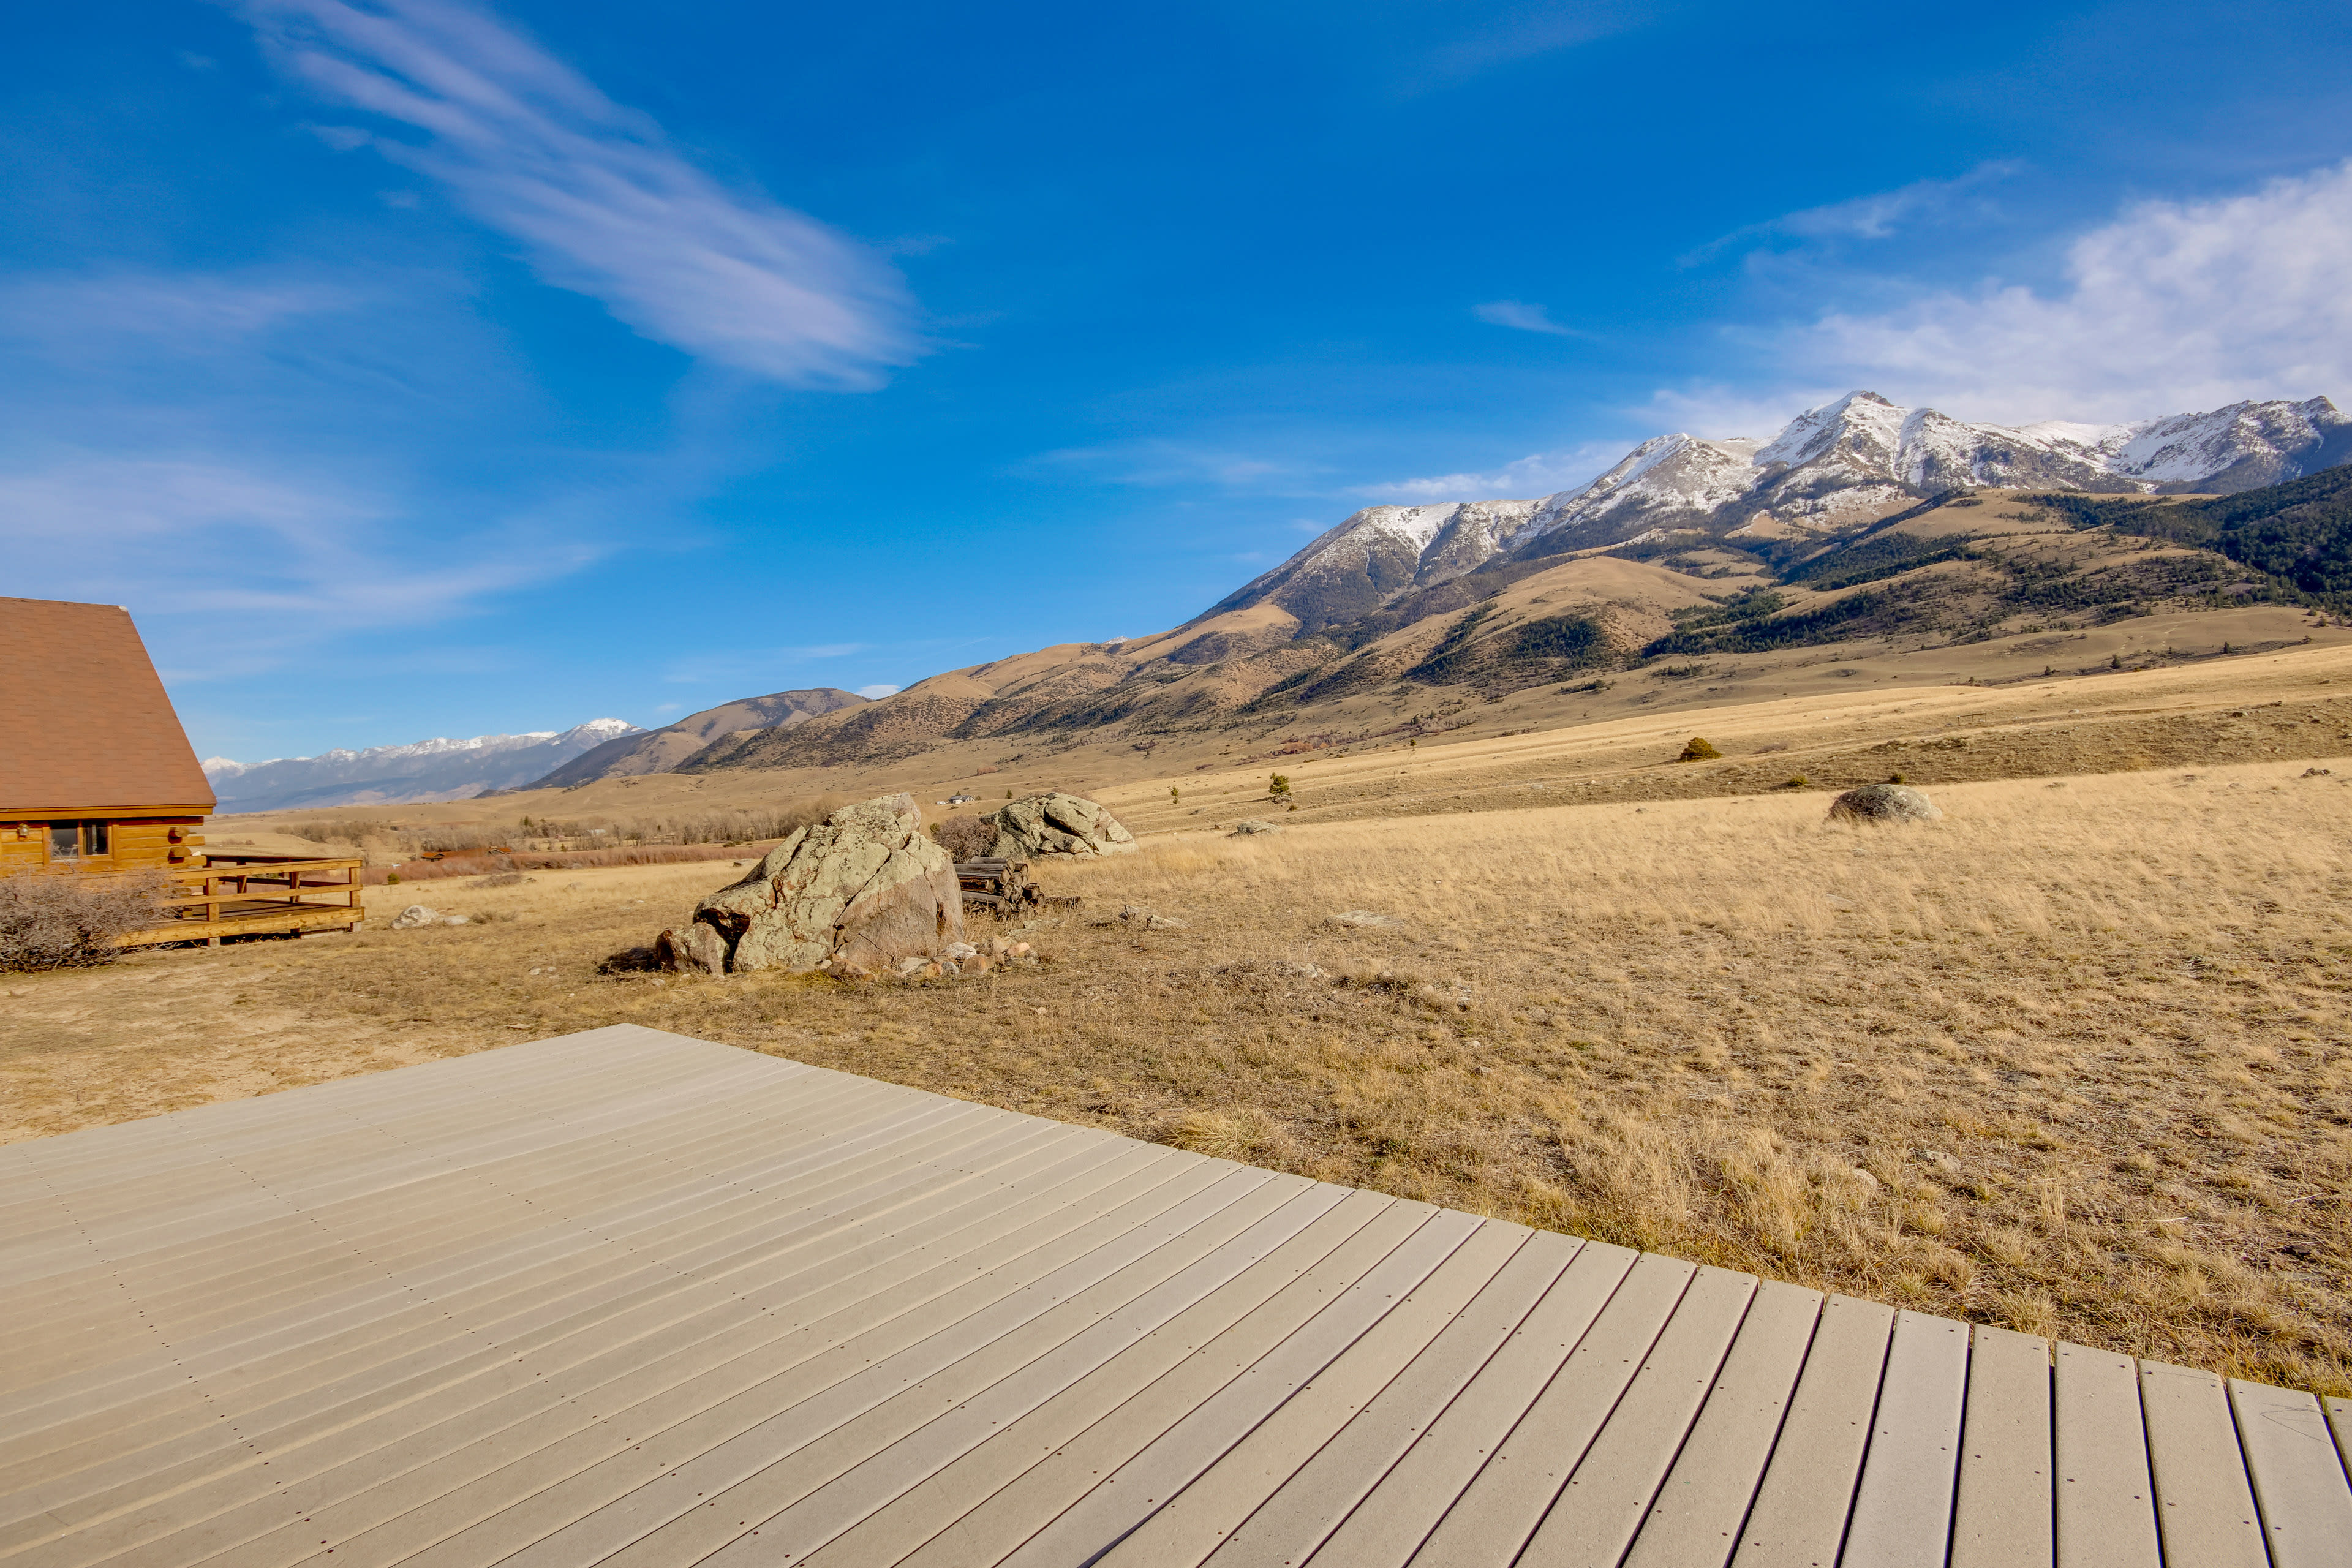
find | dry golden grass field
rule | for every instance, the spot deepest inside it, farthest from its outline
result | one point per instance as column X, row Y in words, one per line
column 2075, row 1059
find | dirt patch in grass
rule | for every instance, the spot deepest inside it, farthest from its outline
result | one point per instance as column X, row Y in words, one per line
column 2075, row 1059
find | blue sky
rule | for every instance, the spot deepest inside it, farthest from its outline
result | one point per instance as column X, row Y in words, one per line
column 419, row 368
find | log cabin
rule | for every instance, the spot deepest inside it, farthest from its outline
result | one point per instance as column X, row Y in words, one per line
column 96, row 778
column 96, row 774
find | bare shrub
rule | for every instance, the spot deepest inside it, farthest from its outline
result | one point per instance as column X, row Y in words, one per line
column 49, row 921
column 963, row 838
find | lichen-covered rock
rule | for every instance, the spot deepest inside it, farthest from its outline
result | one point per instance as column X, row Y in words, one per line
column 1057, row 824
column 1883, row 803
column 864, row 887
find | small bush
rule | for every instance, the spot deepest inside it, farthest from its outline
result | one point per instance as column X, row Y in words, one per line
column 50, row 922
column 1276, row 787
column 963, row 838
column 1796, row 781
column 1698, row 751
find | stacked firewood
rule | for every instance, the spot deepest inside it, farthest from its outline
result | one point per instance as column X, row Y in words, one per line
column 1002, row 887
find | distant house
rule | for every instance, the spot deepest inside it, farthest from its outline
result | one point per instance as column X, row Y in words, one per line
column 95, row 773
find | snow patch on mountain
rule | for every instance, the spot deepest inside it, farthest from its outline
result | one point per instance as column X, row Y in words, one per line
column 1830, row 467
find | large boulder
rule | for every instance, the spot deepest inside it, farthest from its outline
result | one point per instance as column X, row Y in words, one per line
column 1057, row 824
column 864, row 887
column 1883, row 803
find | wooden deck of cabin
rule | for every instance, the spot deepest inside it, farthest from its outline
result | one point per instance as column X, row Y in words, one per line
column 627, row 1298
column 240, row 894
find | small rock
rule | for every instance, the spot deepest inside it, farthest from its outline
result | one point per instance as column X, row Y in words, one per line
column 1866, row 1178
column 695, row 949
column 960, row 950
column 2315, row 773
column 415, row 915
column 1361, row 918
column 1883, row 803
column 1252, row 825
column 1837, row 903
column 1141, row 919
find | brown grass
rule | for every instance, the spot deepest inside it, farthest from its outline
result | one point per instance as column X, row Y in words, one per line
column 2075, row 1059
column 574, row 861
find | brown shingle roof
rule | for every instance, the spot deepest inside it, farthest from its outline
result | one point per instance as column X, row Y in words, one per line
column 85, row 727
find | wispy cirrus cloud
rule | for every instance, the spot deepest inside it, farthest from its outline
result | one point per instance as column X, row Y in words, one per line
column 595, row 195
column 269, row 556
column 1538, row 474
column 1880, row 215
column 1162, row 462
column 1522, row 315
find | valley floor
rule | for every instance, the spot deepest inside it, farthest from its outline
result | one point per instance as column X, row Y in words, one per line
column 2076, row 1059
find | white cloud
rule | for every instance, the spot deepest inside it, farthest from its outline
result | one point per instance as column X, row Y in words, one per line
column 2172, row 306
column 600, row 201
column 877, row 692
column 1538, row 474
column 1156, row 462
column 1879, row 216
column 272, row 559
column 1523, row 316
column 167, row 313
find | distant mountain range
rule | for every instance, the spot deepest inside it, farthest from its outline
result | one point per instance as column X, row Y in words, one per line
column 1832, row 469
column 1686, row 544
column 392, row 775
column 461, row 770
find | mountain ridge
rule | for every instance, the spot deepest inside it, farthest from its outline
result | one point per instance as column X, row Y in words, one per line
column 441, row 768
column 1630, row 562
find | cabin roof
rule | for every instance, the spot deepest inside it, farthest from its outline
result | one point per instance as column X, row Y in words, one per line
column 86, row 728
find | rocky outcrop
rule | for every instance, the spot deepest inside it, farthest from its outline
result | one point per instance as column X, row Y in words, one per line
column 1883, row 803
column 1057, row 824
column 863, row 888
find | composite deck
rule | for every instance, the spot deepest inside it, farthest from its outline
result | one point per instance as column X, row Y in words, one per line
column 628, row 1298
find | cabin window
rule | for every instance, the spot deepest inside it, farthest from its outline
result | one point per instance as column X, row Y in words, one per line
column 72, row 840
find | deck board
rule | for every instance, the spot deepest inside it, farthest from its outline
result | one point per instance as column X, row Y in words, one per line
column 2298, row 1478
column 630, row 1299
column 1903, row 1507
column 2002, row 1518
column 1799, row 1514
column 2105, row 1512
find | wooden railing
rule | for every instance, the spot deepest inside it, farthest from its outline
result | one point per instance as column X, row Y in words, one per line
column 243, row 887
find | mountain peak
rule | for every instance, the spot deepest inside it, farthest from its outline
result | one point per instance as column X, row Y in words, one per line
column 1844, row 461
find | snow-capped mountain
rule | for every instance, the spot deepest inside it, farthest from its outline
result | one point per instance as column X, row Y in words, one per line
column 1831, row 468
column 391, row 775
